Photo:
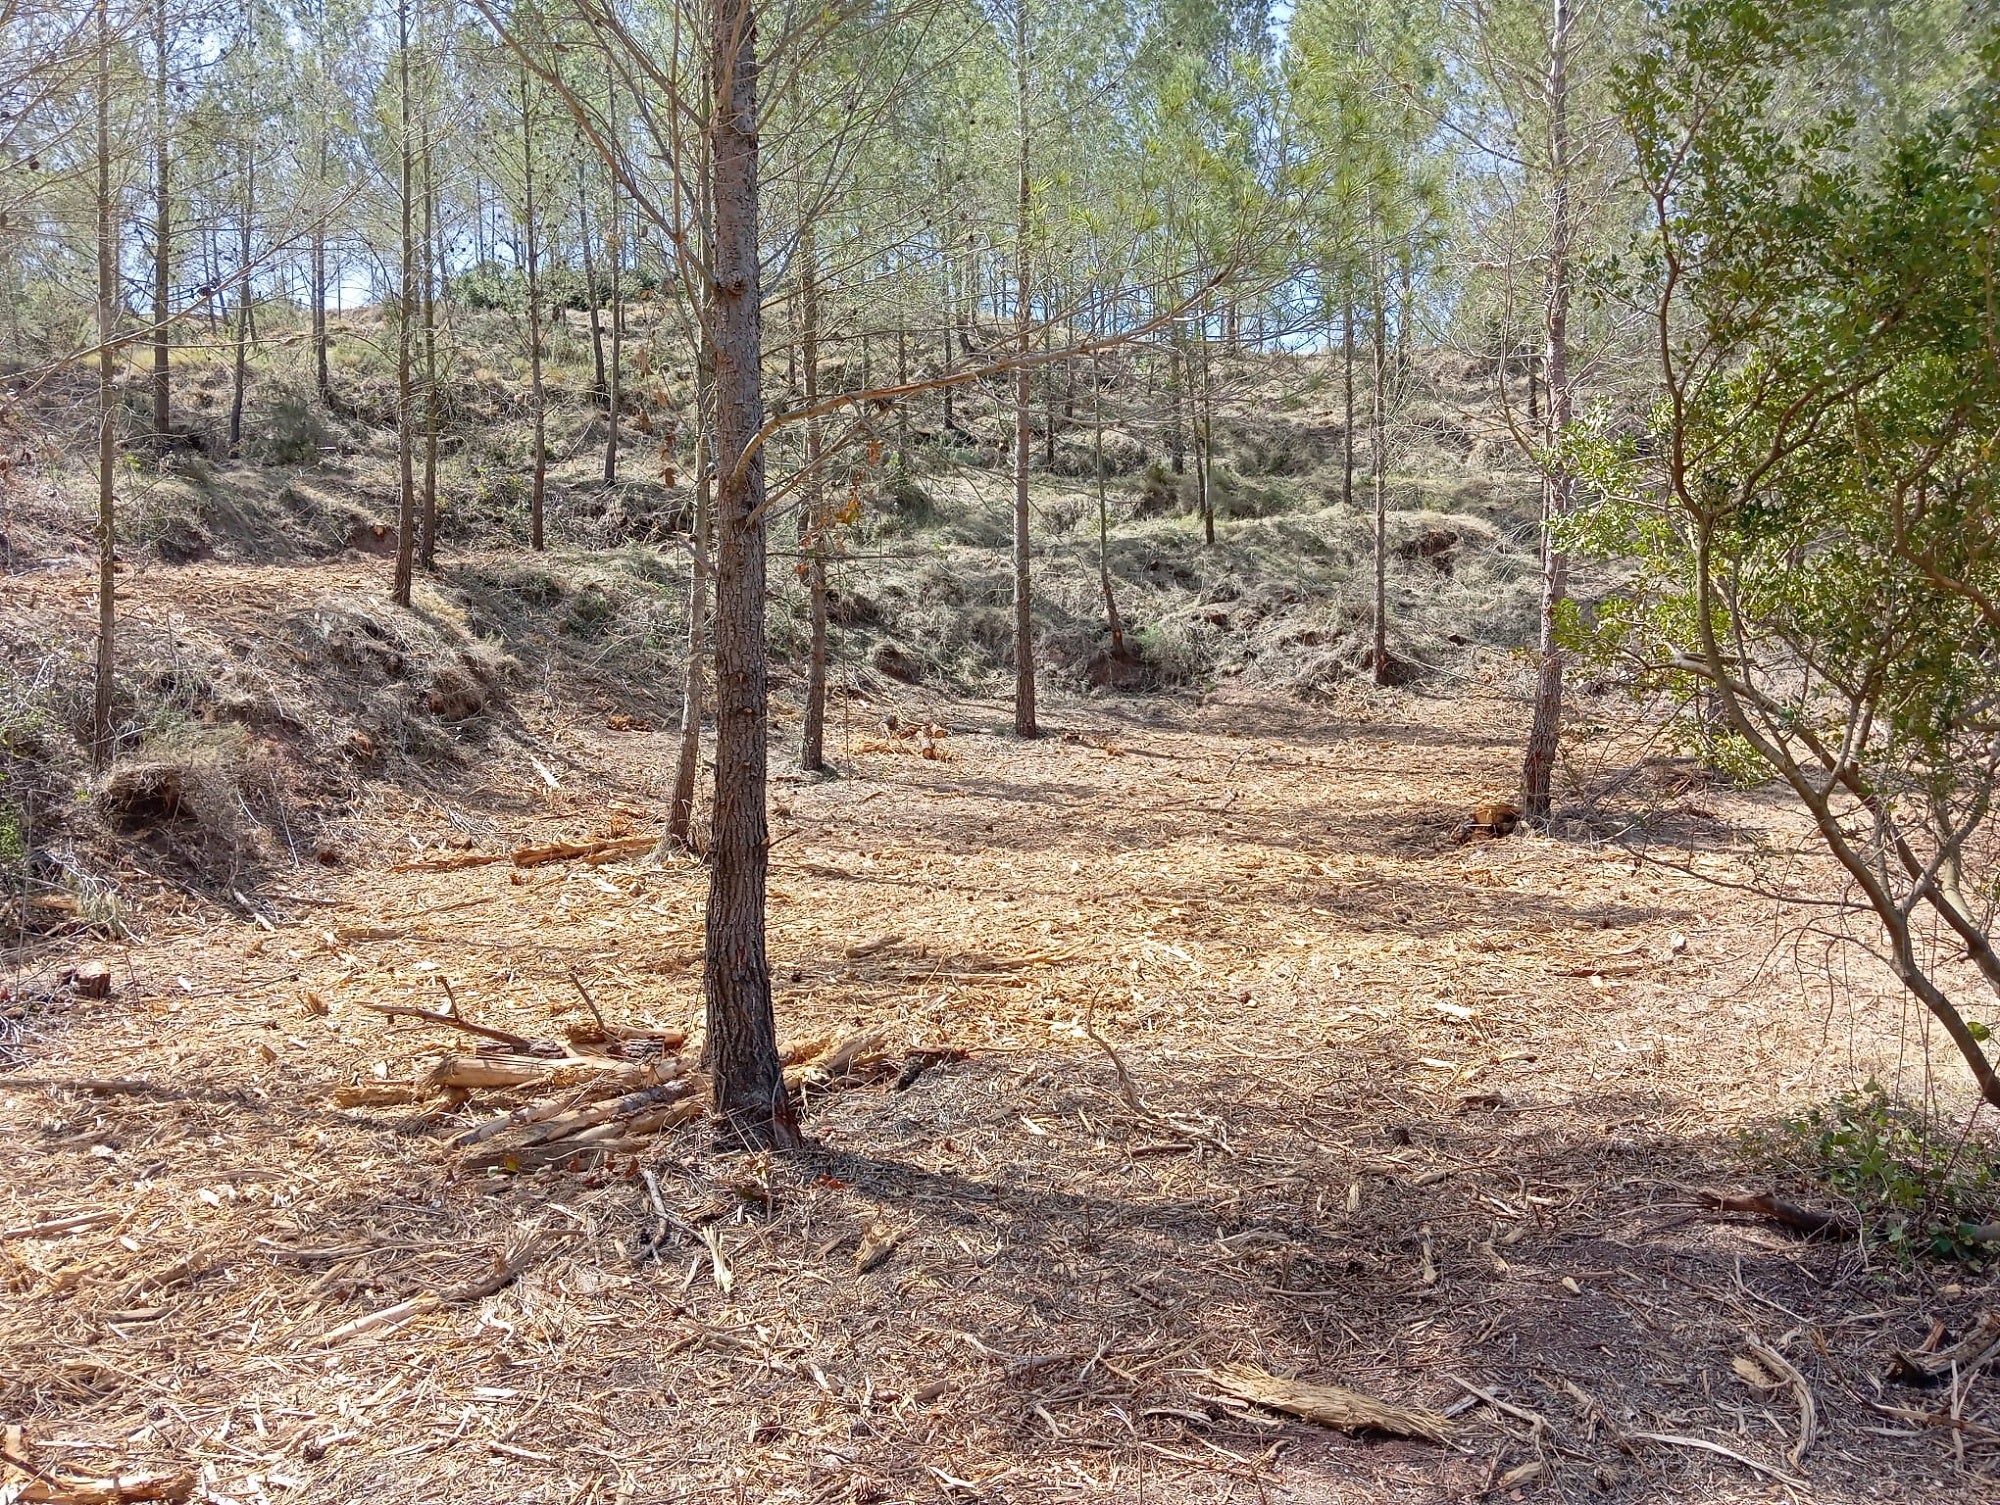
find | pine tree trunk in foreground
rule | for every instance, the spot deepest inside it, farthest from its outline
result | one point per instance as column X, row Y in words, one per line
column 752, row 1107
column 1538, row 759
column 1024, row 620
column 432, row 270
column 162, row 236
column 1379, row 464
column 107, row 430
column 538, row 485
column 813, row 520
column 406, row 287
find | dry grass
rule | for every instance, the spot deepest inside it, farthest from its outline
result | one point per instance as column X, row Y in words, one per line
column 1263, row 1070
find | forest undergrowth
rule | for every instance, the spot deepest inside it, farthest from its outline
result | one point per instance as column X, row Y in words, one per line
column 1224, row 1053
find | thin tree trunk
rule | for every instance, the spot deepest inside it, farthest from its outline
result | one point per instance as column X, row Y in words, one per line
column 1347, row 428
column 680, row 811
column 1111, row 618
column 107, row 431
column 241, row 379
column 902, row 380
column 322, row 375
column 538, row 486
column 162, row 236
column 1379, row 464
column 601, row 391
column 1024, row 624
column 615, row 243
column 813, row 520
column 1176, row 369
column 406, row 426
column 1539, row 757
column 950, row 308
column 430, row 500
column 1204, row 435
column 752, row 1106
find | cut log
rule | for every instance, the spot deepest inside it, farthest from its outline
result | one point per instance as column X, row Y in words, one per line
column 92, row 980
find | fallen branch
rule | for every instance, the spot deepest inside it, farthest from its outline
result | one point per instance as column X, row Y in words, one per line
column 62, row 1223
column 1329, row 1405
column 1805, row 1220
column 1979, row 1346
column 1780, row 1366
column 1704, row 1445
column 1971, row 1431
column 451, row 1021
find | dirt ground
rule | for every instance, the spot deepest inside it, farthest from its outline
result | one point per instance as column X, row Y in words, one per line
column 1423, row 1119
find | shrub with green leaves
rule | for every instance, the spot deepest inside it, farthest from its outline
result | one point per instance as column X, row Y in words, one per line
column 1812, row 525
column 1919, row 1192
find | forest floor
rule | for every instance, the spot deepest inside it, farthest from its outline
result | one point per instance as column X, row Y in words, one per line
column 1403, row 1115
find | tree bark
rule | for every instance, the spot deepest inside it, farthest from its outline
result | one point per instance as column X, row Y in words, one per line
column 1558, row 486
column 431, row 273
column 752, row 1106
column 1112, row 620
column 1379, row 465
column 602, row 390
column 241, row 376
column 406, row 509
column 162, row 236
column 538, row 485
column 615, row 243
column 1347, row 430
column 1024, row 624
column 1202, row 404
column 107, row 416
column 813, row 519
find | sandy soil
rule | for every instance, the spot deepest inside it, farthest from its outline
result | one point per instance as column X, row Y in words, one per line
column 1403, row 1115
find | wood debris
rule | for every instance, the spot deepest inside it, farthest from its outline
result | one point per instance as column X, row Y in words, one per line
column 535, row 856
column 1806, row 1220
column 1328, row 1405
column 23, row 1481
column 1980, row 1346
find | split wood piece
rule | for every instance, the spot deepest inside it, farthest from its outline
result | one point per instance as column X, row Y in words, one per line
column 1328, row 1405
column 491, row 1071
column 856, row 950
column 535, row 856
column 858, row 1050
column 68, row 1222
column 877, row 1244
column 567, row 1125
column 533, row 1113
column 505, row 1037
column 1806, row 1220
column 22, row 1481
column 1770, row 1359
column 620, row 1036
column 1978, row 1347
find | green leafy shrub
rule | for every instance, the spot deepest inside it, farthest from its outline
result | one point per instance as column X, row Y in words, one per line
column 1916, row 1192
